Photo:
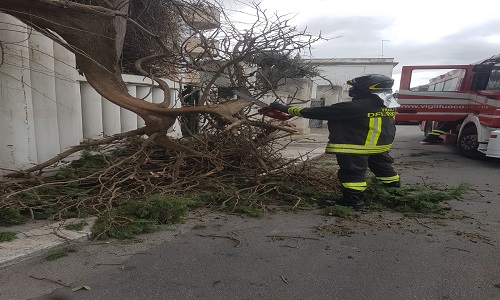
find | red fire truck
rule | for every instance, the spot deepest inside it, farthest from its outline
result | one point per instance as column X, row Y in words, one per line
column 467, row 94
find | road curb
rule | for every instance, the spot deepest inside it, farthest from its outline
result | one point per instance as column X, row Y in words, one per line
column 33, row 242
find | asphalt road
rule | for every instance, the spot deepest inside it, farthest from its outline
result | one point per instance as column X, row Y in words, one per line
column 299, row 255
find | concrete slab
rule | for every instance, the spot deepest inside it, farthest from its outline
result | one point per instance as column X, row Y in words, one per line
column 31, row 241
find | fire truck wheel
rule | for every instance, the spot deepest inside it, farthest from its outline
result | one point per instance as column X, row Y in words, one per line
column 429, row 125
column 467, row 143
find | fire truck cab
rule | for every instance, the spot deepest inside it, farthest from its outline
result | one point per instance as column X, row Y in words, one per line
column 466, row 94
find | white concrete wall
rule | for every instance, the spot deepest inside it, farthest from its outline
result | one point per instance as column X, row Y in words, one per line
column 43, row 96
column 339, row 70
column 46, row 107
column 68, row 96
column 331, row 95
column 145, row 93
column 17, row 131
column 297, row 92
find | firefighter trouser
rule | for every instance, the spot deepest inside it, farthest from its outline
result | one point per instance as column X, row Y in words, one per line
column 444, row 127
column 352, row 172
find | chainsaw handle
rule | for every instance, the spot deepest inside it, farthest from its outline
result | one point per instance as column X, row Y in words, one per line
column 273, row 113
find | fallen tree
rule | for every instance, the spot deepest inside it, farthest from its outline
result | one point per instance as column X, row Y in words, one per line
column 233, row 143
column 94, row 34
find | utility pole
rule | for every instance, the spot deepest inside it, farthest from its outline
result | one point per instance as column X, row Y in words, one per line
column 383, row 47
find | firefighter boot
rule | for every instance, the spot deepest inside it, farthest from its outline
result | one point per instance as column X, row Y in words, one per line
column 354, row 201
column 395, row 184
column 432, row 139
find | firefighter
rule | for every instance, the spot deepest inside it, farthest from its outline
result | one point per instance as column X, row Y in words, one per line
column 361, row 133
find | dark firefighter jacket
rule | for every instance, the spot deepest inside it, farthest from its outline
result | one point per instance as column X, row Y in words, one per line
column 362, row 126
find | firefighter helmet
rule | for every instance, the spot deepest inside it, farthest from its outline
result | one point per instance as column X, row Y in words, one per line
column 371, row 83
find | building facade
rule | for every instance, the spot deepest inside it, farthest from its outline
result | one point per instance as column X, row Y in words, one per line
column 332, row 88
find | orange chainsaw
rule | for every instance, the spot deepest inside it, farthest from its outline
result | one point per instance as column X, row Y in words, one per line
column 264, row 108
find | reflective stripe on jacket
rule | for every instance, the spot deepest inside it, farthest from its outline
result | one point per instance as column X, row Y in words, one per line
column 362, row 126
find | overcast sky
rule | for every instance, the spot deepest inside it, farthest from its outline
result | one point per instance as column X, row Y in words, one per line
column 413, row 33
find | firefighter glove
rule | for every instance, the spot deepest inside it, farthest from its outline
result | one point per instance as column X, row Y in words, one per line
column 278, row 106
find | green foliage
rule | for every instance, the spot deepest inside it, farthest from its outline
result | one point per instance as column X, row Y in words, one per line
column 120, row 228
column 217, row 194
column 7, row 236
column 277, row 65
column 338, row 211
column 231, row 198
column 60, row 252
column 141, row 216
column 42, row 204
column 49, row 201
column 11, row 216
column 246, row 198
column 412, row 198
column 89, row 163
column 291, row 188
column 239, row 188
column 250, row 210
